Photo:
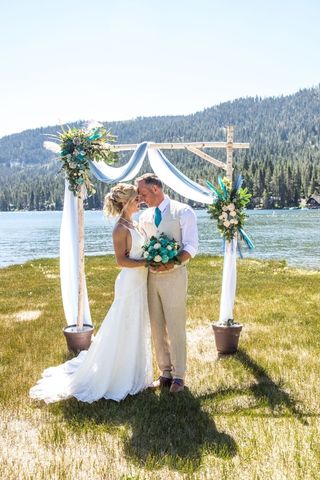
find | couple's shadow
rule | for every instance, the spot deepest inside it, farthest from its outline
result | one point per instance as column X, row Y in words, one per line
column 163, row 429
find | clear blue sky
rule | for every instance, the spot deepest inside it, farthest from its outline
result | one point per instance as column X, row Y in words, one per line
column 65, row 60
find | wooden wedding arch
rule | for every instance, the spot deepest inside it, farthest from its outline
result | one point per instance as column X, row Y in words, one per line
column 195, row 147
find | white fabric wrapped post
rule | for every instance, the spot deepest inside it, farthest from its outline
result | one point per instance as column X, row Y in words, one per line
column 229, row 281
column 69, row 236
column 69, row 261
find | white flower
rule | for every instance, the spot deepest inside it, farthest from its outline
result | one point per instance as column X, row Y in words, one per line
column 224, row 208
column 225, row 215
column 226, row 224
column 232, row 221
column 157, row 258
column 231, row 207
column 221, row 217
column 235, row 222
column 169, row 247
column 233, row 213
column 92, row 124
column 146, row 254
column 156, row 246
column 72, row 165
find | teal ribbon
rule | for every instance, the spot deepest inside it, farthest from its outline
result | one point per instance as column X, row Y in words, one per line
column 237, row 185
column 215, row 190
column 95, row 135
column 246, row 238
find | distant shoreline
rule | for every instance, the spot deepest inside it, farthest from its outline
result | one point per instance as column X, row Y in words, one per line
column 194, row 208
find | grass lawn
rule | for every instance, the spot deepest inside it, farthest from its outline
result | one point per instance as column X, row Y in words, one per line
column 253, row 415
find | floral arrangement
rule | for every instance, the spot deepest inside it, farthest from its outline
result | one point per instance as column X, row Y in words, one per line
column 161, row 249
column 77, row 148
column 228, row 208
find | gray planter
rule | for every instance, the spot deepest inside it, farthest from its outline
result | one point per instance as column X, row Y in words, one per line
column 227, row 338
column 78, row 339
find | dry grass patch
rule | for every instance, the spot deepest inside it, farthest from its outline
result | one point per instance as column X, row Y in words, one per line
column 200, row 344
column 27, row 315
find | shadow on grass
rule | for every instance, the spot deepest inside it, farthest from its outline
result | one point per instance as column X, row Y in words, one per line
column 265, row 390
column 162, row 429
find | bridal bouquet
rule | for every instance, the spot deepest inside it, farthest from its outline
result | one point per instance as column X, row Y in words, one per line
column 78, row 147
column 228, row 208
column 161, row 249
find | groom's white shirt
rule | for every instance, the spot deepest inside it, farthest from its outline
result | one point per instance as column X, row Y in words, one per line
column 187, row 219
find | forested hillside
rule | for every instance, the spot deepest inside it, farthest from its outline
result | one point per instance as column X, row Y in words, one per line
column 281, row 167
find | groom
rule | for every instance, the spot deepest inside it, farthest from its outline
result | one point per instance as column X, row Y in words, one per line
column 167, row 284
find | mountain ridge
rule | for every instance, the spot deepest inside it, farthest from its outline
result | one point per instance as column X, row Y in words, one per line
column 282, row 165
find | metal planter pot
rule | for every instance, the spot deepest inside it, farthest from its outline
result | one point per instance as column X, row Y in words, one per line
column 227, row 338
column 78, row 339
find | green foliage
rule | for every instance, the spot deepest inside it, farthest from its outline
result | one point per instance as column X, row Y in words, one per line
column 77, row 148
column 229, row 208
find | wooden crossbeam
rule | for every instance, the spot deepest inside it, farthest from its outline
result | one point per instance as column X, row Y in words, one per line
column 207, row 157
column 195, row 147
column 176, row 146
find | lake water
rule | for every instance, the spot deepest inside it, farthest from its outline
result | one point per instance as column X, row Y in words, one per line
column 293, row 235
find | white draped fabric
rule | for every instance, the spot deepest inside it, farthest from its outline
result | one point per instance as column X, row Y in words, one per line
column 69, row 261
column 69, row 246
column 173, row 178
column 229, row 281
column 107, row 174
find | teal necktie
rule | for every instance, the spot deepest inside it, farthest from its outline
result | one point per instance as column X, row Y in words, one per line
column 157, row 216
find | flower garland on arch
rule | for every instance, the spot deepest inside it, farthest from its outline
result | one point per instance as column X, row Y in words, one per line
column 228, row 209
column 79, row 146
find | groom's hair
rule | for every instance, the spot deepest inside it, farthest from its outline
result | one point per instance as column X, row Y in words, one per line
column 150, row 179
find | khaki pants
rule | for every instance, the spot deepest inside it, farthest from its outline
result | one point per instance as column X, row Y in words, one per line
column 167, row 294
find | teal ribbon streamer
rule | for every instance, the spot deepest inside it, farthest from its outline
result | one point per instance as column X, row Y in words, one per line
column 239, row 250
column 246, row 238
column 237, row 186
column 95, row 135
column 215, row 190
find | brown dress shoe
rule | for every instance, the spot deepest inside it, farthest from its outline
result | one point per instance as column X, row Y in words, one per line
column 177, row 385
column 162, row 382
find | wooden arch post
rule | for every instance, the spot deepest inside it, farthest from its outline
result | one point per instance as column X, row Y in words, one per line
column 229, row 166
column 81, row 273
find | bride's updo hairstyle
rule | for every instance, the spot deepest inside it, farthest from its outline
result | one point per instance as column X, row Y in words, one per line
column 118, row 198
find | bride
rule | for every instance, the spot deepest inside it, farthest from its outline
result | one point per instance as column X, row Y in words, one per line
column 118, row 362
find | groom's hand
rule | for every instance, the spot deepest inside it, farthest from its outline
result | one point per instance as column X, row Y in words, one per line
column 161, row 267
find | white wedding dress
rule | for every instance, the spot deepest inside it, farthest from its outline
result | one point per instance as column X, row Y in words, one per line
column 118, row 362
